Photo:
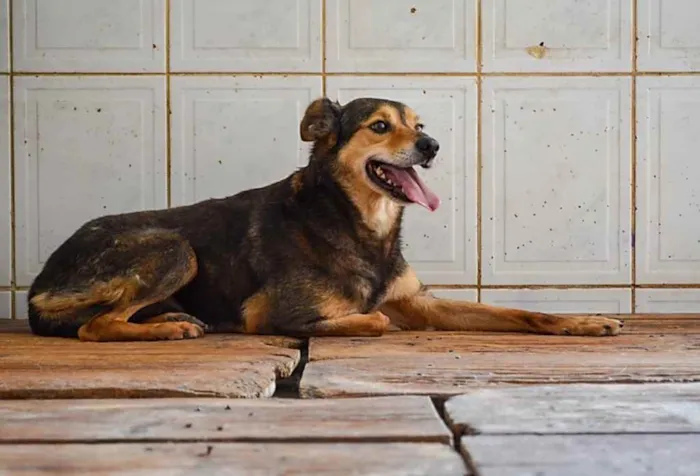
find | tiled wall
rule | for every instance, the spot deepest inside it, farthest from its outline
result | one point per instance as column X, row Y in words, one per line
column 555, row 127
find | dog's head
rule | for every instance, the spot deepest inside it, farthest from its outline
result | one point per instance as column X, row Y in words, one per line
column 375, row 145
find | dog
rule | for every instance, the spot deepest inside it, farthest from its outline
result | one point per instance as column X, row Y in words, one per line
column 315, row 254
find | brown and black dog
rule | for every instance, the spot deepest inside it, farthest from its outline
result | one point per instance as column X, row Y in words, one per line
column 315, row 254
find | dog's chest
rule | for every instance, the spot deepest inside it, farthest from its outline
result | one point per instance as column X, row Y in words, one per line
column 369, row 284
column 382, row 217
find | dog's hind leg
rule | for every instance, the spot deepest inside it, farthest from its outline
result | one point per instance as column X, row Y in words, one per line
column 106, row 287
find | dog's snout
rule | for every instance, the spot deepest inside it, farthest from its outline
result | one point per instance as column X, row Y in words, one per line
column 428, row 146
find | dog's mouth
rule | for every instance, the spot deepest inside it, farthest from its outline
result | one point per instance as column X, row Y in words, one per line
column 403, row 184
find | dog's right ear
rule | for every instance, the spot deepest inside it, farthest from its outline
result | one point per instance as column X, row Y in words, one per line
column 320, row 123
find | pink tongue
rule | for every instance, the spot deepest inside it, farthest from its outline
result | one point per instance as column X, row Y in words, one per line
column 413, row 187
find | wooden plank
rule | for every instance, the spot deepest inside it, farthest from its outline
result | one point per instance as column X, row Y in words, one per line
column 259, row 459
column 412, row 343
column 585, row 455
column 214, row 366
column 636, row 408
column 663, row 323
column 455, row 373
column 21, row 326
column 443, row 364
column 371, row 419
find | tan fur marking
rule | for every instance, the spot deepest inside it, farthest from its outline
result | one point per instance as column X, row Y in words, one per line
column 405, row 285
column 113, row 326
column 116, row 291
column 256, row 312
column 112, row 331
column 332, row 306
column 297, row 181
column 360, row 325
column 422, row 310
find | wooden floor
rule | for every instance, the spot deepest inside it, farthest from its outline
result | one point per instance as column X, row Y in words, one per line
column 406, row 403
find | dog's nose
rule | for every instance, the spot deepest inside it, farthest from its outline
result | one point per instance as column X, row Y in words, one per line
column 428, row 147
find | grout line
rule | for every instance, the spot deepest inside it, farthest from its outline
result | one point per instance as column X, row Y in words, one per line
column 171, row 73
column 168, row 109
column 479, row 160
column 358, row 74
column 530, row 286
column 633, row 157
column 668, row 286
column 324, row 33
column 84, row 73
column 556, row 286
column 14, row 288
column 13, row 205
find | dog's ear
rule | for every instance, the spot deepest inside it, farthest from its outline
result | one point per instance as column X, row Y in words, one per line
column 320, row 122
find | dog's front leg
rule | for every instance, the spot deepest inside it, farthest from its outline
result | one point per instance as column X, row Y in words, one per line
column 410, row 306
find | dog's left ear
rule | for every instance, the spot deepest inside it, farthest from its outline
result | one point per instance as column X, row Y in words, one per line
column 320, row 122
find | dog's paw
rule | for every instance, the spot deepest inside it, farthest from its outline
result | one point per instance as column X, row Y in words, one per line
column 183, row 317
column 595, row 326
column 177, row 331
column 377, row 325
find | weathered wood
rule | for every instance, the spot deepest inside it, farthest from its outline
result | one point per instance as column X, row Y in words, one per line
column 662, row 323
column 215, row 366
column 21, row 326
column 412, row 343
column 372, row 419
column 658, row 349
column 636, row 408
column 262, row 459
column 585, row 455
column 452, row 374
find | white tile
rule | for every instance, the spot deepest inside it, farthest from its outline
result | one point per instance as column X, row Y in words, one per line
column 5, row 305
column 5, row 200
column 668, row 300
column 225, row 35
column 441, row 245
column 556, row 181
column 456, row 294
column 5, row 39
column 557, row 35
column 401, row 36
column 669, row 37
column 21, row 304
column 232, row 134
column 89, row 35
column 84, row 147
column 562, row 301
column 668, row 192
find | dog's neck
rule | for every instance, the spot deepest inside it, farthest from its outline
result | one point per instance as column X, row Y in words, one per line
column 378, row 213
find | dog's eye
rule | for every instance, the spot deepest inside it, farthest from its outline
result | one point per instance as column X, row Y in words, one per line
column 380, row 127
column 419, row 127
